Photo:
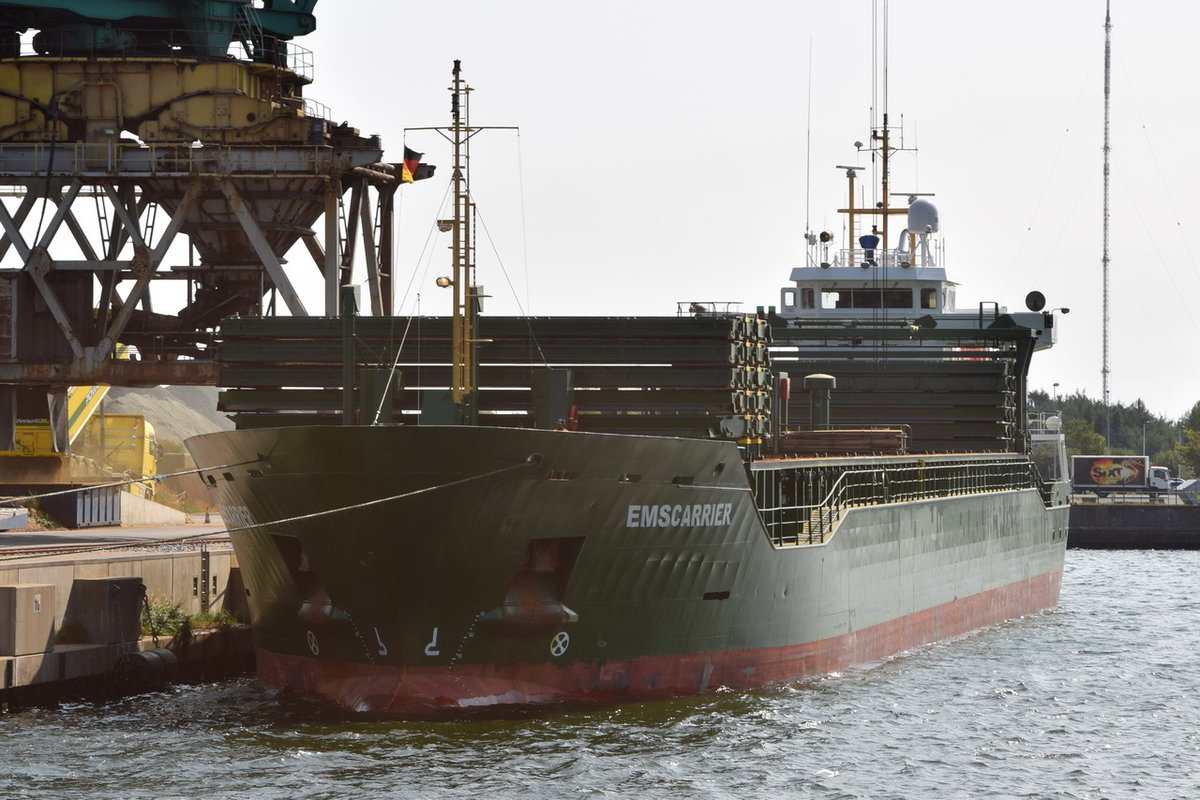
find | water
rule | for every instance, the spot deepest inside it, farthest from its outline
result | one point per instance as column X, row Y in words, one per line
column 1097, row 699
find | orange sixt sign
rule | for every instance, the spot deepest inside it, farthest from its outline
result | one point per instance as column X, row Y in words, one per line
column 1110, row 471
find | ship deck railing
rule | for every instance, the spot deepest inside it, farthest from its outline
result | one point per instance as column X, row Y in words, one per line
column 881, row 257
column 805, row 505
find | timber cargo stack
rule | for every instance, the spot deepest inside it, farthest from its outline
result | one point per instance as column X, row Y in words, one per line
column 697, row 376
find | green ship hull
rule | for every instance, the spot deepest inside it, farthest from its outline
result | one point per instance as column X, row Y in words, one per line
column 420, row 570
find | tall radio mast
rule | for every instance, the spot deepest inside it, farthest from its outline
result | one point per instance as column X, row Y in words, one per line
column 1104, row 258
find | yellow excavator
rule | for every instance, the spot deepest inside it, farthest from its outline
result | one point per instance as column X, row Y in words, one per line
column 99, row 447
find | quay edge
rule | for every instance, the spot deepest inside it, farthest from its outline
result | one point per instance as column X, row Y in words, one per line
column 1140, row 526
column 70, row 625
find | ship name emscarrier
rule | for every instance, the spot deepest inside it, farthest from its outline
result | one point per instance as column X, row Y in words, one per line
column 671, row 516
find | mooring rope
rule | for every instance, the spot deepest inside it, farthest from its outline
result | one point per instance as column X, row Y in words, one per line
column 529, row 461
column 155, row 478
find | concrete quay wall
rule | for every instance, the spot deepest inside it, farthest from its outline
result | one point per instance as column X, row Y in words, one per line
column 91, row 670
column 171, row 576
column 71, row 624
column 1126, row 526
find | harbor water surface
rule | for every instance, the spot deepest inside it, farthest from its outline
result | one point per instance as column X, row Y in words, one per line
column 1096, row 699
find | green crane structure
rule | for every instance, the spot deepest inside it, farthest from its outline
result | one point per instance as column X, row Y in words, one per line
column 201, row 28
column 173, row 122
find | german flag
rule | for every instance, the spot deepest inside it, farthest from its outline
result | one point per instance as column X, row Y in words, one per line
column 412, row 169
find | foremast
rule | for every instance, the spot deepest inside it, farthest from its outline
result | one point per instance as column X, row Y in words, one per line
column 464, row 368
column 463, row 372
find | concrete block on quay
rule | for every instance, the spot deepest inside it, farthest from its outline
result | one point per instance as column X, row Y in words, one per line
column 104, row 611
column 59, row 575
column 27, row 620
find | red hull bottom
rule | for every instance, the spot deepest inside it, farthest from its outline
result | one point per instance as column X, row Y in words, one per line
column 435, row 691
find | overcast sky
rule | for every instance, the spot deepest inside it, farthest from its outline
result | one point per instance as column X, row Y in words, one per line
column 664, row 151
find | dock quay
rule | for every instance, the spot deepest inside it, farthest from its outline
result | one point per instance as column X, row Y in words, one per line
column 1129, row 523
column 72, row 602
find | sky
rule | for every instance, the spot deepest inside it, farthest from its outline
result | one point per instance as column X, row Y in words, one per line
column 672, row 151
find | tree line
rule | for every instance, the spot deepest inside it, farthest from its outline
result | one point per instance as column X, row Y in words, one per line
column 1121, row 429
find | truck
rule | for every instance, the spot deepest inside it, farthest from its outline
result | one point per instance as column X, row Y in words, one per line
column 1103, row 474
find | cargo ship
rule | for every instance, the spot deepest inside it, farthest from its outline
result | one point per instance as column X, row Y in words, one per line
column 607, row 509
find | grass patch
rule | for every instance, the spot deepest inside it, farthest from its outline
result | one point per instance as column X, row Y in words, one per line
column 166, row 618
column 163, row 618
column 213, row 619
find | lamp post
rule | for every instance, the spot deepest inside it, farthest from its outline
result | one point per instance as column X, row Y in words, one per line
column 1056, row 394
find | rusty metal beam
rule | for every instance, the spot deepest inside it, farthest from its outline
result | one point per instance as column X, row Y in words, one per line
column 12, row 230
column 386, row 217
column 114, row 372
column 352, row 219
column 39, row 264
column 315, row 250
column 368, row 241
column 144, row 264
column 129, row 221
column 333, row 193
column 16, row 222
column 254, row 233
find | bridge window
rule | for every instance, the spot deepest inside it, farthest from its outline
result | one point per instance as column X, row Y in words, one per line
column 929, row 298
column 866, row 298
column 806, row 298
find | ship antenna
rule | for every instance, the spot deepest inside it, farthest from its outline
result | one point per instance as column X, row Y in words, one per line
column 1104, row 258
column 808, row 146
column 462, row 371
column 464, row 367
column 886, row 144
